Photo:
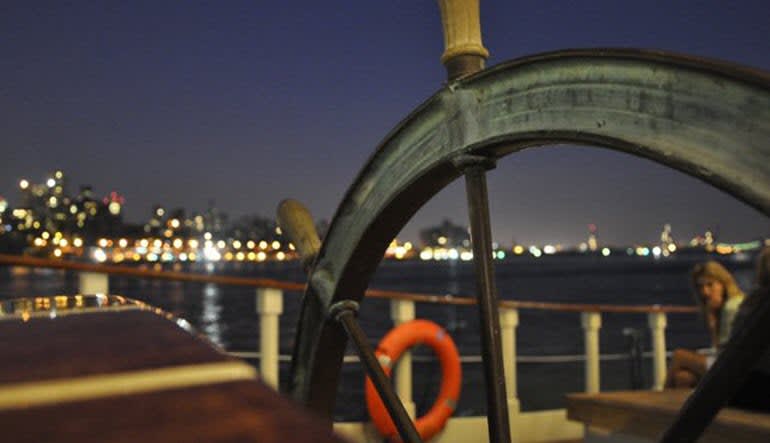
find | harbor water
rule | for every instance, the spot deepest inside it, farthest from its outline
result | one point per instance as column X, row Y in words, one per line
column 549, row 344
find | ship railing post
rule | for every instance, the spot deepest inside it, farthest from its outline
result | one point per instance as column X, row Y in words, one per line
column 509, row 320
column 657, row 322
column 269, row 307
column 591, row 322
column 93, row 283
column 402, row 311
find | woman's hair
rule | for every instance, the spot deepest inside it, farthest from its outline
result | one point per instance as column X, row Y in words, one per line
column 763, row 268
column 718, row 272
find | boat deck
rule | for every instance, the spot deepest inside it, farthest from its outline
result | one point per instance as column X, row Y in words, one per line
column 645, row 415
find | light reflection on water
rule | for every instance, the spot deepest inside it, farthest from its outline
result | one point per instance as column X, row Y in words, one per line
column 211, row 313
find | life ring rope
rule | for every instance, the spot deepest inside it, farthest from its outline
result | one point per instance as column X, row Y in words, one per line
column 390, row 349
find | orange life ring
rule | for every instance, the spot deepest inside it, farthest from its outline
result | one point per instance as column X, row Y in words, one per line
column 395, row 342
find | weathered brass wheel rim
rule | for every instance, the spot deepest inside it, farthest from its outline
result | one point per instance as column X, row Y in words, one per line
column 708, row 119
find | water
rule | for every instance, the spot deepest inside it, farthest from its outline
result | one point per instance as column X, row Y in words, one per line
column 228, row 316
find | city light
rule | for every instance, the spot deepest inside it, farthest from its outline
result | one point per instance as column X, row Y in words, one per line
column 114, row 208
column 100, row 256
column 211, row 254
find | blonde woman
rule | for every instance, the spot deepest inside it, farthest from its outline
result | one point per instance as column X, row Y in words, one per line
column 718, row 297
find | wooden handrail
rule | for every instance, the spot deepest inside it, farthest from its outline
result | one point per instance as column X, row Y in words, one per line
column 299, row 287
column 128, row 271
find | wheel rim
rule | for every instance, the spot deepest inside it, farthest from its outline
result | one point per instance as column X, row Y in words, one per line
column 708, row 119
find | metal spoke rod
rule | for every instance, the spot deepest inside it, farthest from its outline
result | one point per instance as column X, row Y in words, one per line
column 481, row 239
column 345, row 313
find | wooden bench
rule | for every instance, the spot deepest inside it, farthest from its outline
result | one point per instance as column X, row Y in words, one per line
column 641, row 416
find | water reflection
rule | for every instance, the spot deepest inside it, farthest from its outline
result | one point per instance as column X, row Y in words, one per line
column 455, row 321
column 210, row 316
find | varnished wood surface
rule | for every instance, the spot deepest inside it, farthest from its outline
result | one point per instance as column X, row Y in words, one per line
column 231, row 412
column 76, row 370
column 96, row 343
column 648, row 414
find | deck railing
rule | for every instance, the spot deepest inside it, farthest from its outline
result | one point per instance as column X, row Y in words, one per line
column 93, row 278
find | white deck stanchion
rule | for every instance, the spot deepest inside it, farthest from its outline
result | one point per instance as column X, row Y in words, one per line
column 402, row 311
column 657, row 322
column 591, row 322
column 93, row 283
column 509, row 320
column 269, row 307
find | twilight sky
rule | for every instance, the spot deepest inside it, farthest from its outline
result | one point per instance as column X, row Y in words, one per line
column 249, row 102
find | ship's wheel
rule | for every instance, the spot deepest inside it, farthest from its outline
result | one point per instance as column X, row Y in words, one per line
column 707, row 118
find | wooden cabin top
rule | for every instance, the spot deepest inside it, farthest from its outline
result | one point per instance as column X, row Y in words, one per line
column 111, row 369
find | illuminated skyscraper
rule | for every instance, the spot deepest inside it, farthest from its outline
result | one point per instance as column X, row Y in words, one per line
column 593, row 242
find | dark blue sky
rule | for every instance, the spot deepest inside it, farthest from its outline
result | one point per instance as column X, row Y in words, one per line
column 247, row 103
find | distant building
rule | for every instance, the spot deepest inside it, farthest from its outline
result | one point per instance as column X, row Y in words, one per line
column 445, row 235
column 214, row 220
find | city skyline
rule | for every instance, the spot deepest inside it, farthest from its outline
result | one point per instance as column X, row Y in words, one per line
column 35, row 196
column 181, row 104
